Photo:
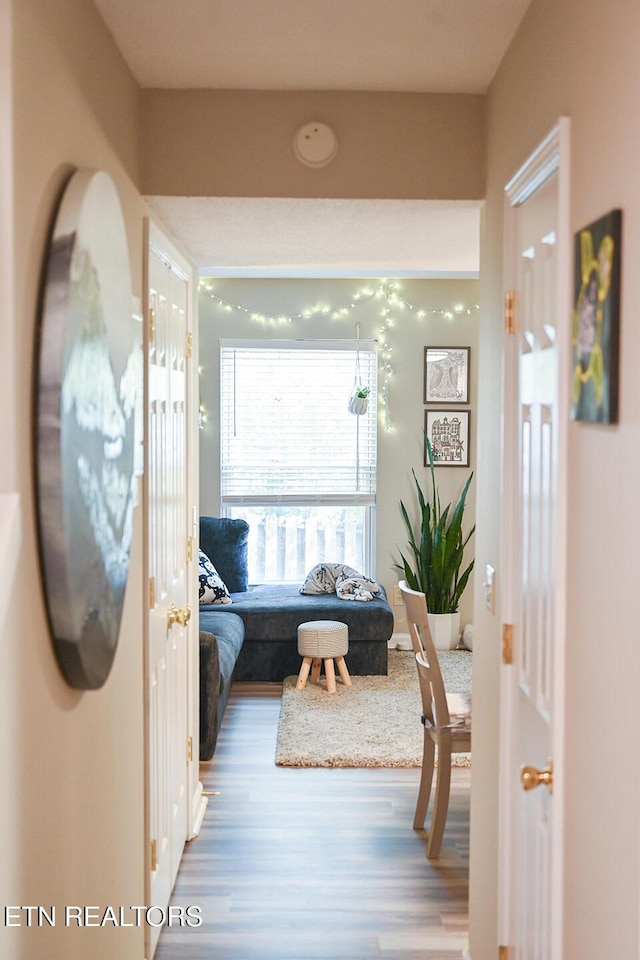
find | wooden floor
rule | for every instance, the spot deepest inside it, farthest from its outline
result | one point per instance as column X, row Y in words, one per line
column 315, row 864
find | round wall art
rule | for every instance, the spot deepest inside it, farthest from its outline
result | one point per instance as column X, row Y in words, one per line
column 87, row 394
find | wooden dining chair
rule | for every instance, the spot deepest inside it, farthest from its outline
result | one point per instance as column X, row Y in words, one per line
column 446, row 718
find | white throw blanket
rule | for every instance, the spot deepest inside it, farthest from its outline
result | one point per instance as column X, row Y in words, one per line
column 340, row 579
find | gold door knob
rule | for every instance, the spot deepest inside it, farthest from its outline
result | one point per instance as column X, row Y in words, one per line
column 179, row 615
column 531, row 777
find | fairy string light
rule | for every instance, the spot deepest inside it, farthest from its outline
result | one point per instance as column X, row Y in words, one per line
column 392, row 303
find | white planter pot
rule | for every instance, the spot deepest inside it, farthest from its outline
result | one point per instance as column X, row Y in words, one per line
column 358, row 405
column 445, row 630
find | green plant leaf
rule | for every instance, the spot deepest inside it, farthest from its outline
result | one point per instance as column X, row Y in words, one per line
column 436, row 545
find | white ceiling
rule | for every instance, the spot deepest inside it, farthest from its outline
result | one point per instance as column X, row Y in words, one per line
column 244, row 236
column 438, row 46
column 434, row 46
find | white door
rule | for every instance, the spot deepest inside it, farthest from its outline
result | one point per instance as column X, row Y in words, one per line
column 536, row 417
column 168, row 564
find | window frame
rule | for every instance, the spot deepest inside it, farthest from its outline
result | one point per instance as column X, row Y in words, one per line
column 366, row 500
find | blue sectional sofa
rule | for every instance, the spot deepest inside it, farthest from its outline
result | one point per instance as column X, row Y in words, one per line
column 256, row 636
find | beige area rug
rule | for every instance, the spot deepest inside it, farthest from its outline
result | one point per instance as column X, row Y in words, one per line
column 374, row 723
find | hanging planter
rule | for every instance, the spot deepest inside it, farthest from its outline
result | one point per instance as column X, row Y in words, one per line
column 359, row 399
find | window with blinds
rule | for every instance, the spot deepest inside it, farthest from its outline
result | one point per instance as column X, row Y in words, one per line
column 295, row 463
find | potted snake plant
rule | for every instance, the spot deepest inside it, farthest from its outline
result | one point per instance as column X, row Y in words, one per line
column 434, row 561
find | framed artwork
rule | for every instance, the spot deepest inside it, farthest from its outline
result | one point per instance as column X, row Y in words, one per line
column 446, row 374
column 448, row 432
column 596, row 320
column 88, row 389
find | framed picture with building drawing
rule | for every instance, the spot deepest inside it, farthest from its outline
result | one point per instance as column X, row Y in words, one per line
column 449, row 434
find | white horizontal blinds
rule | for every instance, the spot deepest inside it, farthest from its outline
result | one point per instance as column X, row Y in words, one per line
column 286, row 431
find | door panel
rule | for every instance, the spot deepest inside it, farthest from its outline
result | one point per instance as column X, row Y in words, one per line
column 168, row 528
column 534, row 631
column 535, row 558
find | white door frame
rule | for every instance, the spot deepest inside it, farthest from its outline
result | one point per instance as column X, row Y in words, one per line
column 158, row 245
column 197, row 800
column 551, row 157
column 155, row 236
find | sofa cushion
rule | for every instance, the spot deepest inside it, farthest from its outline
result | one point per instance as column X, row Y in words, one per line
column 229, row 631
column 220, row 644
column 225, row 543
column 209, row 694
column 274, row 612
column 211, row 587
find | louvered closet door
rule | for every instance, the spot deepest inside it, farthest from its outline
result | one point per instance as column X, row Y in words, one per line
column 167, row 564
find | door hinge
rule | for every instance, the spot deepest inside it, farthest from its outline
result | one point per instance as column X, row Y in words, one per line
column 189, row 346
column 507, row 643
column 152, row 592
column 154, row 856
column 189, row 749
column 504, row 953
column 189, row 549
column 151, row 324
column 510, row 311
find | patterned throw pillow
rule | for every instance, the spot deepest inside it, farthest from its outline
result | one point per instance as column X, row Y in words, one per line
column 212, row 588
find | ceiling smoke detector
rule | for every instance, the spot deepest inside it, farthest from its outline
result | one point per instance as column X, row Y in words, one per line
column 315, row 144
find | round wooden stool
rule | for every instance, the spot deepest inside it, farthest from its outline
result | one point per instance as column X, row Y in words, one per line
column 320, row 640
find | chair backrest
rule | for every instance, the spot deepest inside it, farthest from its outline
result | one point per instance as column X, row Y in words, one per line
column 432, row 691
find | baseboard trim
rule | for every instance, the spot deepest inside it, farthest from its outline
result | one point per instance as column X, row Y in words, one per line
column 400, row 641
column 198, row 811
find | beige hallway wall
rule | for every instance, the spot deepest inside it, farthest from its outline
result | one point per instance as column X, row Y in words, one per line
column 71, row 798
column 577, row 58
column 390, row 145
column 7, row 428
